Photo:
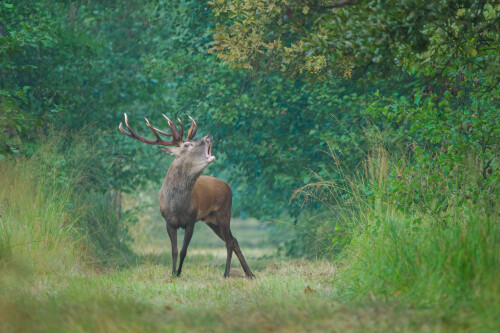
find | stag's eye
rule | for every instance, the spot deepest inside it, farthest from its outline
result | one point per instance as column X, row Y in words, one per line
column 187, row 144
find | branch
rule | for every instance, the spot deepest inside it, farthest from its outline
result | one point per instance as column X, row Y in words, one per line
column 318, row 5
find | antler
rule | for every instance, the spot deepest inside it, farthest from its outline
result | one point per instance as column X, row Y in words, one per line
column 176, row 137
column 193, row 129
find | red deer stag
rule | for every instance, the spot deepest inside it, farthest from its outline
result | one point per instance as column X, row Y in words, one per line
column 186, row 197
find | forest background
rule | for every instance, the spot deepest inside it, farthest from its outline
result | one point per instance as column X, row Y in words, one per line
column 360, row 132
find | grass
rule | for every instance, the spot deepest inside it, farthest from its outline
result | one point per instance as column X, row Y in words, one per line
column 448, row 263
column 286, row 296
column 59, row 271
column 453, row 270
column 38, row 223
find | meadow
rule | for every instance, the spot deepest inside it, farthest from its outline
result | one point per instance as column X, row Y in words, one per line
column 54, row 278
column 360, row 139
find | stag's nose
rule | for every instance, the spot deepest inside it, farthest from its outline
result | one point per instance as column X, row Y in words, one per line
column 209, row 139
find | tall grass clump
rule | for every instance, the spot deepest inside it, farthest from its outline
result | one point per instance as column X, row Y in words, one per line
column 397, row 242
column 424, row 263
column 408, row 243
column 106, row 228
column 37, row 208
column 51, row 215
column 325, row 232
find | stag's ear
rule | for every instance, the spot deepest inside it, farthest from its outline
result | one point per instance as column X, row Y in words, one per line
column 169, row 150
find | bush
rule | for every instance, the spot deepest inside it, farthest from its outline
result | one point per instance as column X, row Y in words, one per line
column 423, row 262
column 52, row 215
column 394, row 252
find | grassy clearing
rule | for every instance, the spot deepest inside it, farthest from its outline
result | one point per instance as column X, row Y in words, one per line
column 285, row 296
column 64, row 268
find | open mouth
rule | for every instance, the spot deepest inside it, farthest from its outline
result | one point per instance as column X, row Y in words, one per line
column 208, row 149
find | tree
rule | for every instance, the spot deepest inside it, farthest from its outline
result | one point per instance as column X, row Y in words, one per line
column 431, row 69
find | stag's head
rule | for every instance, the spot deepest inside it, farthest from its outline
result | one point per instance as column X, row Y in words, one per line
column 192, row 154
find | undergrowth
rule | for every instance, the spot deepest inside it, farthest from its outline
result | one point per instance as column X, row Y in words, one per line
column 52, row 217
column 395, row 248
column 65, row 262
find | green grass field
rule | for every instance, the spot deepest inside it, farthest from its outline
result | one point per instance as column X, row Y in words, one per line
column 285, row 296
column 66, row 266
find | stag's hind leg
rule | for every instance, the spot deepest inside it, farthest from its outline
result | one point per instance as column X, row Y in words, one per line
column 217, row 230
column 241, row 258
column 223, row 230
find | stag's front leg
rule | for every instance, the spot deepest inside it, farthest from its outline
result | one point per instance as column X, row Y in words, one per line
column 172, row 234
column 185, row 244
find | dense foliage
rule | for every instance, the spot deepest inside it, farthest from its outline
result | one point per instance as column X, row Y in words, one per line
column 432, row 69
column 80, row 71
column 306, row 79
column 367, row 130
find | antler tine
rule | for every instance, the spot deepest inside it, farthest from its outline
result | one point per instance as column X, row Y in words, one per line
column 134, row 135
column 153, row 130
column 173, row 128
column 193, row 129
column 121, row 127
column 182, row 128
column 162, row 132
column 170, row 134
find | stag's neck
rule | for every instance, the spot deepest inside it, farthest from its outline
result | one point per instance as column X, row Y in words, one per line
column 178, row 184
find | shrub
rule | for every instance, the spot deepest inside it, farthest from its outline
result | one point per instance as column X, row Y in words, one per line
column 52, row 214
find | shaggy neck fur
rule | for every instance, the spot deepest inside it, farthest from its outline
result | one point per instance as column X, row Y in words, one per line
column 178, row 185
